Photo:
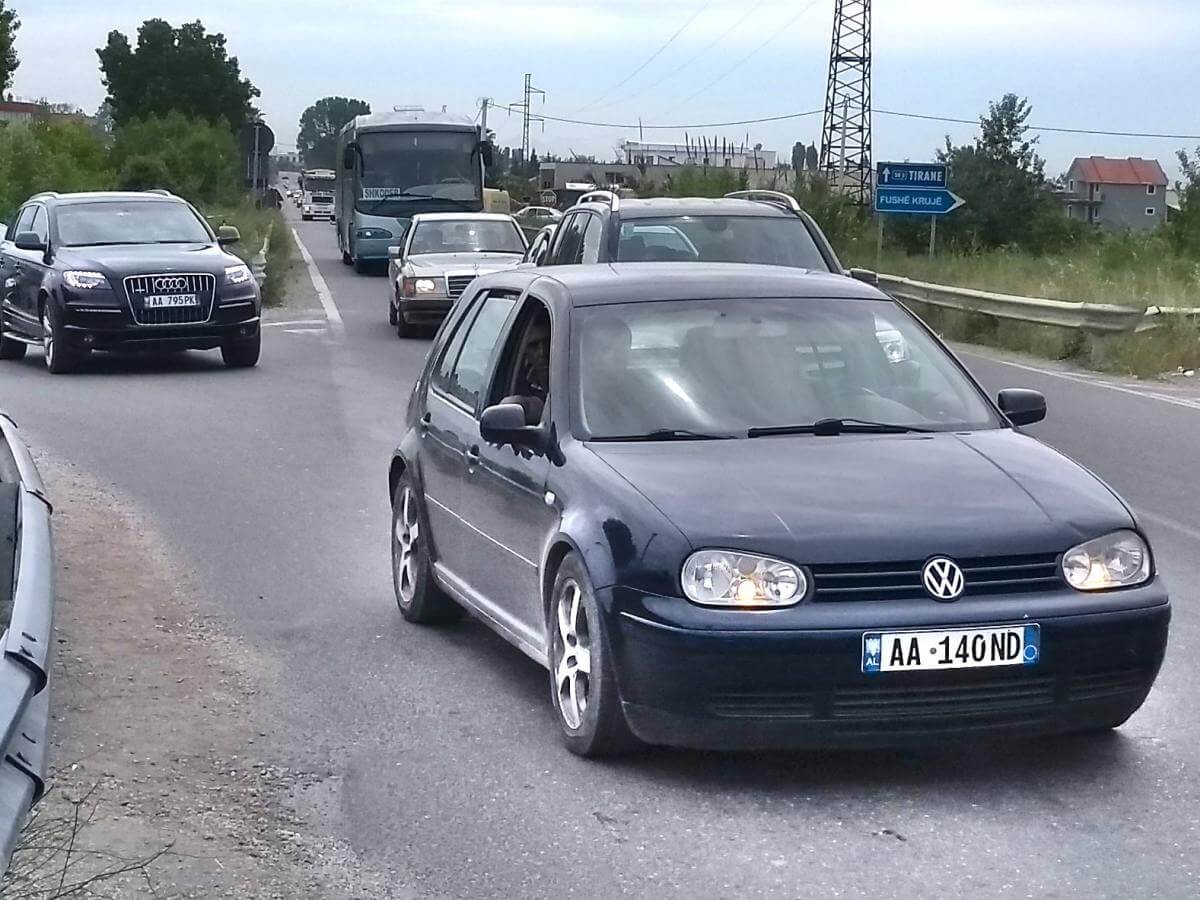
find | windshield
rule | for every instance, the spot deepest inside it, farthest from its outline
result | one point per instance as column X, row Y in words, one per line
column 400, row 168
column 466, row 236
column 726, row 366
column 769, row 240
column 130, row 222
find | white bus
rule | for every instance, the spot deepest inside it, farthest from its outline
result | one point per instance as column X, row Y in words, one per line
column 316, row 193
column 394, row 165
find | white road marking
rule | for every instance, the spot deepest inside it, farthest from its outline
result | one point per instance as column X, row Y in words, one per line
column 1165, row 522
column 320, row 330
column 291, row 323
column 318, row 280
column 1185, row 402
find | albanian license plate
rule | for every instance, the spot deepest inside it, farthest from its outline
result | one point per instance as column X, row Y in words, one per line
column 960, row 648
column 170, row 301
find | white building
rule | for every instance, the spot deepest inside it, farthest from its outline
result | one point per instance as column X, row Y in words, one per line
column 700, row 152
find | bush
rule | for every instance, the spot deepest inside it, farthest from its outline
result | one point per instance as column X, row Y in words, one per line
column 189, row 157
column 58, row 155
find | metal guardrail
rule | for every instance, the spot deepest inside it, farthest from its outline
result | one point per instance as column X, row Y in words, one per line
column 25, row 648
column 1104, row 318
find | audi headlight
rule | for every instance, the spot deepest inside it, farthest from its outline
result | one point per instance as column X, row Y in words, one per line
column 732, row 578
column 237, row 275
column 1117, row 560
column 85, row 281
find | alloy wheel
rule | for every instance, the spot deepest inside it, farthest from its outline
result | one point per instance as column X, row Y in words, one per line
column 47, row 337
column 573, row 655
column 407, row 533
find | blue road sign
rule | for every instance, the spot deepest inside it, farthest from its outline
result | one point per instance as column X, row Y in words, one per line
column 916, row 201
column 930, row 176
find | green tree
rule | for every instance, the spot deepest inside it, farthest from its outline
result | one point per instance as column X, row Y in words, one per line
column 1183, row 230
column 798, row 154
column 319, row 127
column 1003, row 181
column 185, row 70
column 49, row 155
column 190, row 157
column 9, row 23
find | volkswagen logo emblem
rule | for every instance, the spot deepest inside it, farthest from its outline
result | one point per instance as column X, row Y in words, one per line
column 943, row 579
column 170, row 284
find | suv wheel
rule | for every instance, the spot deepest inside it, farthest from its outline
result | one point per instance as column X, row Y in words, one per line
column 242, row 353
column 60, row 358
column 10, row 348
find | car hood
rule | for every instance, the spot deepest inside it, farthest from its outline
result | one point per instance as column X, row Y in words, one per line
column 863, row 498
column 148, row 259
column 434, row 263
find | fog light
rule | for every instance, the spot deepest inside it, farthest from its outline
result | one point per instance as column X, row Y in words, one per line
column 89, row 339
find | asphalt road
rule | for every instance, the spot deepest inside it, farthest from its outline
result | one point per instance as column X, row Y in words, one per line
column 438, row 748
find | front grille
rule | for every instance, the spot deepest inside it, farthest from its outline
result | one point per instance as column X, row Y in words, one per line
column 902, row 701
column 138, row 287
column 902, row 581
column 763, row 705
column 458, row 283
column 1105, row 685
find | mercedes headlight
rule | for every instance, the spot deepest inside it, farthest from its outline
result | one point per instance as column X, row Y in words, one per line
column 1117, row 560
column 237, row 275
column 85, row 281
column 414, row 286
column 745, row 580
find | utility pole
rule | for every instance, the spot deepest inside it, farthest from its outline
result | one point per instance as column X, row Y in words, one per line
column 846, row 133
column 526, row 115
column 484, row 103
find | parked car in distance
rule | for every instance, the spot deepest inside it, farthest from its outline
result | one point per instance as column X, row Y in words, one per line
column 764, row 227
column 123, row 272
column 712, row 504
column 537, row 216
column 539, row 245
column 438, row 256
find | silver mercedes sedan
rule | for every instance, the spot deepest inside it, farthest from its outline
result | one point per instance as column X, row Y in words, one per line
column 440, row 254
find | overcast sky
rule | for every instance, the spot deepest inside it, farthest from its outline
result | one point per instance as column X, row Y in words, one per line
column 1111, row 65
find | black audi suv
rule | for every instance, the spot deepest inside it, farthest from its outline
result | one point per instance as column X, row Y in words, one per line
column 123, row 272
column 750, row 506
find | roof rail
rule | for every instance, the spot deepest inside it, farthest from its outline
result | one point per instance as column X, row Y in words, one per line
column 775, row 198
column 41, row 195
column 610, row 197
column 162, row 192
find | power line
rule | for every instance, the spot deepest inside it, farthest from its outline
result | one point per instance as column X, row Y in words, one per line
column 779, row 118
column 1053, row 128
column 653, row 56
column 691, row 59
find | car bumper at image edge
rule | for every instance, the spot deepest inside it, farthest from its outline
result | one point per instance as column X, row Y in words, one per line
column 801, row 688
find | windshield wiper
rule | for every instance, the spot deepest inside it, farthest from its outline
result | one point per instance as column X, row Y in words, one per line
column 668, row 434
column 831, row 427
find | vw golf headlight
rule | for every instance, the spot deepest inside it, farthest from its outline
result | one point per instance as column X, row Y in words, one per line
column 745, row 580
column 1117, row 560
column 237, row 275
column 85, row 281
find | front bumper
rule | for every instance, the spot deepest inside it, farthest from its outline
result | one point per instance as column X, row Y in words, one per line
column 232, row 319
column 373, row 249
column 761, row 688
column 425, row 310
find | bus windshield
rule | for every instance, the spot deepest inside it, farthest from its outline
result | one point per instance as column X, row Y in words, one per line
column 399, row 168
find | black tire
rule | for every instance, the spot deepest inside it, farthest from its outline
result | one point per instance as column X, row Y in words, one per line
column 242, row 353
column 60, row 358
column 305, row 218
column 347, row 259
column 597, row 726
column 418, row 596
column 393, row 316
column 404, row 328
column 10, row 348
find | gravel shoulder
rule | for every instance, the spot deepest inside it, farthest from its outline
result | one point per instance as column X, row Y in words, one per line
column 161, row 750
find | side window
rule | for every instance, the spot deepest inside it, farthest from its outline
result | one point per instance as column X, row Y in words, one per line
column 471, row 350
column 523, row 370
column 41, row 224
column 569, row 241
column 590, row 252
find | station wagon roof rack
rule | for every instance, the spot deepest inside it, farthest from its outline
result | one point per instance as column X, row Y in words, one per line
column 775, row 198
column 609, row 197
column 43, row 195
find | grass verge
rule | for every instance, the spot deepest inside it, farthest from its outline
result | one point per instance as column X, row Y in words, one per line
column 255, row 224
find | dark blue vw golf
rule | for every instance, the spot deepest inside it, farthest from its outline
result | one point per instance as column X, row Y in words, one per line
column 736, row 506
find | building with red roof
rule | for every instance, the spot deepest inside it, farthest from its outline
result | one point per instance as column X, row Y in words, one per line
column 1117, row 194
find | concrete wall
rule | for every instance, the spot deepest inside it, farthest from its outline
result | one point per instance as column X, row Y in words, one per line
column 1124, row 208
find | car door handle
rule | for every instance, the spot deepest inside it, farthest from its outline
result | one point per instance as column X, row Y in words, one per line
column 423, row 424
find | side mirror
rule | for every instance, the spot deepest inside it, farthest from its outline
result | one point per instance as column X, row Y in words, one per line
column 29, row 240
column 504, row 423
column 864, row 275
column 1023, row 407
column 228, row 234
column 350, row 156
column 395, row 251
